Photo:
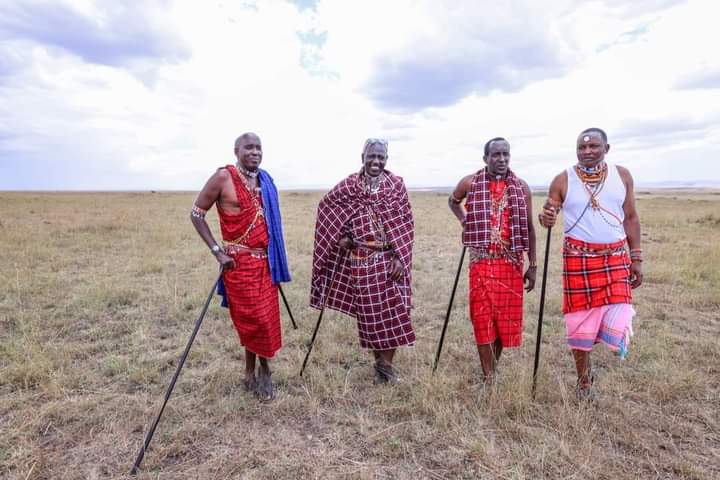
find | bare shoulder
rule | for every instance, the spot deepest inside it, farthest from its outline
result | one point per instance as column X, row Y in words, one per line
column 561, row 177
column 558, row 188
column 624, row 174
column 467, row 180
column 463, row 186
column 221, row 173
column 560, row 181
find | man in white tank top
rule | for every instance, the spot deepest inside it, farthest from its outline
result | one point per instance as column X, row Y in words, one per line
column 598, row 273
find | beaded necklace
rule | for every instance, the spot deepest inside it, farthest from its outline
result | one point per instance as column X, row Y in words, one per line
column 373, row 186
column 259, row 211
column 245, row 171
column 593, row 180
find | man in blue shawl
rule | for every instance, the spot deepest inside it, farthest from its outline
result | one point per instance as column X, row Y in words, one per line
column 252, row 256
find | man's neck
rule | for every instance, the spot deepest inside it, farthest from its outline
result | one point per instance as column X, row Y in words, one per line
column 496, row 176
column 592, row 169
column 246, row 172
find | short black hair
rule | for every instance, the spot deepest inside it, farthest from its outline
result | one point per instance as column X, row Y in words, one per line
column 487, row 145
column 596, row 130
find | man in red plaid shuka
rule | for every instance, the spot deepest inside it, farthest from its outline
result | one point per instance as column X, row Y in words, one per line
column 246, row 201
column 363, row 257
column 599, row 217
column 497, row 228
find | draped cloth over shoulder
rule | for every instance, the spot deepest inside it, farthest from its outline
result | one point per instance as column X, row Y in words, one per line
column 362, row 287
column 476, row 232
column 249, row 290
column 277, row 257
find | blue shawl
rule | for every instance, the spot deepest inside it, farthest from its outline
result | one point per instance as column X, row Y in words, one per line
column 276, row 248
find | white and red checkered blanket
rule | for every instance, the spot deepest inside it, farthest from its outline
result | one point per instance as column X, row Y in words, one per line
column 476, row 232
column 348, row 199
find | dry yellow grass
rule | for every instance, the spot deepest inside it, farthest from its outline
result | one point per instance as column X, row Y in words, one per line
column 99, row 292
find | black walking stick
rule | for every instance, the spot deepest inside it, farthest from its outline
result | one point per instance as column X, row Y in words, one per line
column 542, row 308
column 287, row 306
column 322, row 310
column 449, row 309
column 148, row 437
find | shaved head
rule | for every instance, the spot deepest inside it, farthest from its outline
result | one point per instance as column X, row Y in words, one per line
column 599, row 131
column 241, row 139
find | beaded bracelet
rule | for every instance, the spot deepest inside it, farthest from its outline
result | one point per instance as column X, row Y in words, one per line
column 197, row 212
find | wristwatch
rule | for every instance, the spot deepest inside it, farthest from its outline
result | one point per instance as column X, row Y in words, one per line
column 215, row 249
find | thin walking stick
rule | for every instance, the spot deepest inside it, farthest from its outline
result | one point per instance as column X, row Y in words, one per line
column 542, row 308
column 287, row 306
column 449, row 309
column 322, row 310
column 151, row 432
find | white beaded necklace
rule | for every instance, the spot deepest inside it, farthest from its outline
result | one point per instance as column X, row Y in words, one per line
column 245, row 171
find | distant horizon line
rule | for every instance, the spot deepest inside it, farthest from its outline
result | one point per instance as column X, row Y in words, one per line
column 661, row 185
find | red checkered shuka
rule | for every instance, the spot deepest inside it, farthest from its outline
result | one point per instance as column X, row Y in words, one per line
column 361, row 287
column 496, row 301
column 382, row 305
column 476, row 232
column 252, row 297
column 594, row 274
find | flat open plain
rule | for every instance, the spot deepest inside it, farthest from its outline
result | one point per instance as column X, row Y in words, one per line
column 99, row 293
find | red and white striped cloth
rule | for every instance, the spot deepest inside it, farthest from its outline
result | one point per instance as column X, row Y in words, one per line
column 476, row 231
column 362, row 287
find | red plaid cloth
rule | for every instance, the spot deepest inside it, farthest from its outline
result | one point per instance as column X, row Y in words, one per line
column 347, row 208
column 381, row 304
column 594, row 274
column 496, row 301
column 476, row 232
column 252, row 297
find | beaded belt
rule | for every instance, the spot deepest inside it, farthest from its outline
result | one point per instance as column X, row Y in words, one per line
column 234, row 248
column 573, row 248
column 373, row 245
column 483, row 254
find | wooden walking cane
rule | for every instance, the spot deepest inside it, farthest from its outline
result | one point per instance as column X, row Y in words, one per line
column 542, row 308
column 151, row 432
column 322, row 310
column 287, row 306
column 449, row 309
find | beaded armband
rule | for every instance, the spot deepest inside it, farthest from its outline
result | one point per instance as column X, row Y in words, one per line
column 454, row 200
column 197, row 212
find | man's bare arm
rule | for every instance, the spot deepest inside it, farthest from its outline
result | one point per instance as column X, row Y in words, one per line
column 458, row 195
column 207, row 197
column 632, row 227
column 556, row 197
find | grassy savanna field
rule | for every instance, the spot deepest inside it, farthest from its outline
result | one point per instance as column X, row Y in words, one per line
column 99, row 293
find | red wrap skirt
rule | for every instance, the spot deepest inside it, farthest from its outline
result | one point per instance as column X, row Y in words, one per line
column 253, row 304
column 496, row 301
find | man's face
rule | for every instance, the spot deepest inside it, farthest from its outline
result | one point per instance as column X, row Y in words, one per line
column 498, row 157
column 374, row 160
column 249, row 152
column 591, row 149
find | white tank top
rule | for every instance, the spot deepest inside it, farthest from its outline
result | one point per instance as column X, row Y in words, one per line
column 603, row 225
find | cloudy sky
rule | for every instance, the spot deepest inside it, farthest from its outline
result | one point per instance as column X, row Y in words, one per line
column 150, row 95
